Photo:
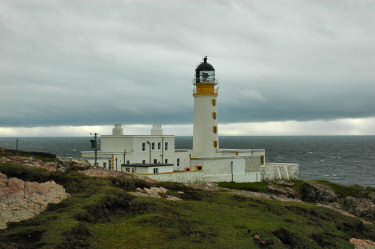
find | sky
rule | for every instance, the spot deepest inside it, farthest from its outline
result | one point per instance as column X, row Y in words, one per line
column 68, row 68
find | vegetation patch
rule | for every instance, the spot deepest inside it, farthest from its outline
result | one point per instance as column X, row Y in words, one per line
column 253, row 186
column 101, row 214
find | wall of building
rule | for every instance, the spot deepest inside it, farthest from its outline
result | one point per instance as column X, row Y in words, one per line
column 203, row 135
column 116, row 143
column 184, row 156
column 277, row 171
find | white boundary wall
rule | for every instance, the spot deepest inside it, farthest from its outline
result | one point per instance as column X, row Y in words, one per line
column 279, row 171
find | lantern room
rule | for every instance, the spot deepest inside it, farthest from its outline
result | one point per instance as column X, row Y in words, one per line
column 205, row 73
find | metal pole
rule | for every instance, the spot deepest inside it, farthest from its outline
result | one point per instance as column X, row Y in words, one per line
column 149, row 144
column 162, row 149
column 231, row 165
column 96, row 150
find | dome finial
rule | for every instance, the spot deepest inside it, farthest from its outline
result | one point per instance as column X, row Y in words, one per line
column 205, row 59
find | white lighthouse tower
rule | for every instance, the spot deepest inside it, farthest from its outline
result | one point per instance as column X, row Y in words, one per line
column 205, row 127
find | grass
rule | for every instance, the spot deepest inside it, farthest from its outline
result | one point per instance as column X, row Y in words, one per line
column 357, row 191
column 254, row 186
column 101, row 214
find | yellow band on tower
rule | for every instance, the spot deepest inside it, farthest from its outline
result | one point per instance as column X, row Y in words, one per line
column 205, row 89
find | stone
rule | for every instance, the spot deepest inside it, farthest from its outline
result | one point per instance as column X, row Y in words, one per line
column 64, row 164
column 362, row 244
column 280, row 190
column 371, row 197
column 21, row 200
column 315, row 192
column 359, row 206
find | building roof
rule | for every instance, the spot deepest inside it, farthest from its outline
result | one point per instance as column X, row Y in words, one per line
column 205, row 66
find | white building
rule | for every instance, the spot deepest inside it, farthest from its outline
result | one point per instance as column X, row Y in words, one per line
column 154, row 155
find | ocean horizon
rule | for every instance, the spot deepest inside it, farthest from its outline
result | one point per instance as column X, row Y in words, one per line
column 346, row 160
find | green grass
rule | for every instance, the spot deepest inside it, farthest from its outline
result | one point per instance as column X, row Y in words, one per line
column 253, row 186
column 357, row 191
column 101, row 214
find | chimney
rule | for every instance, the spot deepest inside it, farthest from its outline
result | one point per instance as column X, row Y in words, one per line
column 156, row 130
column 117, row 130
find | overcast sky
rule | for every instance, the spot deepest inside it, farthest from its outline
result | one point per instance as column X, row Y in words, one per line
column 284, row 67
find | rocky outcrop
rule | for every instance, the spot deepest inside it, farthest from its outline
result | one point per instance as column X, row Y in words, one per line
column 64, row 164
column 362, row 244
column 359, row 206
column 312, row 191
column 282, row 188
column 21, row 200
column 155, row 192
column 29, row 162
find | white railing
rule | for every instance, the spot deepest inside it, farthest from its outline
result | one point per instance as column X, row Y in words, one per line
column 215, row 81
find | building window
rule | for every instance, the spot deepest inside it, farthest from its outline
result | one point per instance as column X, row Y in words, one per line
column 144, row 161
column 214, row 129
column 178, row 161
column 127, row 169
column 155, row 160
column 104, row 165
column 143, row 146
column 152, row 146
column 213, row 102
column 159, row 146
column 214, row 115
column 166, row 146
column 156, row 170
column 199, row 168
column 133, row 170
column 166, row 160
column 128, row 162
column 262, row 159
column 110, row 164
column 214, row 143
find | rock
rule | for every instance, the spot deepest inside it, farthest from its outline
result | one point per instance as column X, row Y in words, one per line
column 280, row 190
column 154, row 192
column 371, row 197
column 173, row 198
column 285, row 183
column 21, row 200
column 312, row 191
column 362, row 244
column 64, row 164
column 359, row 206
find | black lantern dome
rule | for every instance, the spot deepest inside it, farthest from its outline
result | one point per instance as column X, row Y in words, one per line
column 205, row 72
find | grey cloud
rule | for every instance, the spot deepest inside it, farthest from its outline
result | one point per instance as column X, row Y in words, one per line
column 95, row 63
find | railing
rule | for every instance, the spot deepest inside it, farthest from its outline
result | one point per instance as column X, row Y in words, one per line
column 205, row 81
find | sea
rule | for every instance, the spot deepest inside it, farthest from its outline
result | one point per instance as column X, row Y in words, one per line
column 346, row 160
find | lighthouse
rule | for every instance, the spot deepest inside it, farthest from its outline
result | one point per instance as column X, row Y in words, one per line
column 205, row 125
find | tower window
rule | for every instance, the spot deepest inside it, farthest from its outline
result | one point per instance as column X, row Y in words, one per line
column 156, row 170
column 214, row 115
column 214, row 129
column 143, row 161
column 166, row 146
column 159, row 146
column 143, row 146
column 166, row 161
column 178, row 161
column 155, row 160
column 152, row 146
column 214, row 143
column 213, row 102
